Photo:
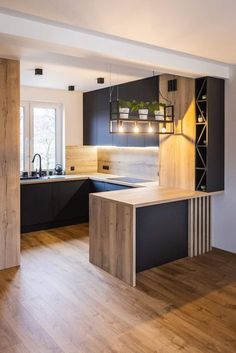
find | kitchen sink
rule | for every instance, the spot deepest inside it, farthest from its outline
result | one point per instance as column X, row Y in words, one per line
column 30, row 178
column 46, row 177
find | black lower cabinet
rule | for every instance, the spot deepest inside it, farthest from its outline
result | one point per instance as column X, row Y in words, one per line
column 57, row 204
column 101, row 186
column 161, row 234
column 96, row 186
column 70, row 202
column 36, row 201
column 53, row 204
column 113, row 187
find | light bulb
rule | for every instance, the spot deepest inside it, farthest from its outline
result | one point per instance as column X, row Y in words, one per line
column 150, row 129
column 121, row 128
column 136, row 129
column 163, row 130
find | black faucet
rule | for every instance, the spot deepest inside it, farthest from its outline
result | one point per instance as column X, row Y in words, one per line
column 40, row 163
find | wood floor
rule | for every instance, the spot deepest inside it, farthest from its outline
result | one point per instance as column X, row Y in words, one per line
column 58, row 302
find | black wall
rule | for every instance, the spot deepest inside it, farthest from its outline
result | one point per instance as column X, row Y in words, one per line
column 96, row 113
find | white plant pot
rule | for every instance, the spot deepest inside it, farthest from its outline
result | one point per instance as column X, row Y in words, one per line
column 143, row 114
column 159, row 114
column 124, row 113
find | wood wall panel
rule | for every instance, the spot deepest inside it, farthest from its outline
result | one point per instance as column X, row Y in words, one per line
column 111, row 238
column 82, row 158
column 177, row 152
column 9, row 164
column 130, row 161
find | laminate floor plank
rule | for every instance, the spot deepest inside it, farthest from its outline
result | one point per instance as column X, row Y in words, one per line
column 58, row 302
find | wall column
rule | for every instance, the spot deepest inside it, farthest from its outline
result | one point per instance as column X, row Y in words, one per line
column 9, row 164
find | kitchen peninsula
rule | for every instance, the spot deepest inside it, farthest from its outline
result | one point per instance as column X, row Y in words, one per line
column 136, row 229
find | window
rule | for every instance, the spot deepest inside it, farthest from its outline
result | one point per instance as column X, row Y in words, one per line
column 40, row 132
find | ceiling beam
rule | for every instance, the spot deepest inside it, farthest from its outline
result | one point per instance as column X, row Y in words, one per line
column 73, row 41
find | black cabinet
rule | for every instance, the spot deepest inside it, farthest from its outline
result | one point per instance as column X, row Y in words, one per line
column 113, row 187
column 55, row 204
column 96, row 186
column 101, row 186
column 70, row 201
column 96, row 113
column 89, row 118
column 36, row 200
column 209, row 172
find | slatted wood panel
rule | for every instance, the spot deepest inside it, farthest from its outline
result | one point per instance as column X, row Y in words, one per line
column 199, row 226
column 9, row 164
column 111, row 238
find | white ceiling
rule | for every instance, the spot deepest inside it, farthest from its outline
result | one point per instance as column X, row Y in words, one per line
column 206, row 28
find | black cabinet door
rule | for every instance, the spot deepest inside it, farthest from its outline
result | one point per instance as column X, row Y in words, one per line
column 96, row 186
column 96, row 113
column 36, row 200
column 70, row 201
column 111, row 187
column 104, row 137
column 90, row 118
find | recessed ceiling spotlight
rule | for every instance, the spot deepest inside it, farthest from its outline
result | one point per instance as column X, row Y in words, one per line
column 38, row 71
column 100, row 80
column 71, row 88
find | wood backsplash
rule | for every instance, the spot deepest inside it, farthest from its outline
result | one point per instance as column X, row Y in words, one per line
column 129, row 161
column 82, row 158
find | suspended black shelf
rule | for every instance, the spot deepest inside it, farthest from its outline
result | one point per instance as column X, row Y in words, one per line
column 141, row 122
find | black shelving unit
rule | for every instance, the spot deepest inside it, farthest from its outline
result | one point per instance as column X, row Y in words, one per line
column 209, row 160
column 157, row 123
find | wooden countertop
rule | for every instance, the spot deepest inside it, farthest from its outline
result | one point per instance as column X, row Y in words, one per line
column 93, row 176
column 152, row 194
column 141, row 194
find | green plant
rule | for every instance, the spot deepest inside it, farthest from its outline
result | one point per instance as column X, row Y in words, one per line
column 143, row 105
column 123, row 104
column 132, row 105
column 155, row 106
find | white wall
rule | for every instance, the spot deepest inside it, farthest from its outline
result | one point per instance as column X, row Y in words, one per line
column 73, row 109
column 224, row 206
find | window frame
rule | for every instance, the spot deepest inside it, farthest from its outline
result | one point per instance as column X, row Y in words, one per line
column 28, row 133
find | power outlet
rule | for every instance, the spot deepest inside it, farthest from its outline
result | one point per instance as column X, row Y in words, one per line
column 72, row 168
column 105, row 167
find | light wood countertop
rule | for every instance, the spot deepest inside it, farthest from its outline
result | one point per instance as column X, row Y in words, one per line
column 139, row 195
column 108, row 178
column 152, row 194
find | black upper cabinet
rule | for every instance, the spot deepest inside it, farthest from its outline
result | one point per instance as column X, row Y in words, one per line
column 103, row 110
column 96, row 116
column 89, row 118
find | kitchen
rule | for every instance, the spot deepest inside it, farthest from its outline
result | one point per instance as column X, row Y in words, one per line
column 121, row 167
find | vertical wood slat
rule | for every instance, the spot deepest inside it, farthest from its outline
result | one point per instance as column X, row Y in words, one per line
column 190, row 228
column 199, row 226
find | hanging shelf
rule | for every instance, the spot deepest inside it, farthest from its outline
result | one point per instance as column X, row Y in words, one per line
column 143, row 123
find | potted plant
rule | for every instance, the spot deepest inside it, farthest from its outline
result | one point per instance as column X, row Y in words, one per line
column 124, row 108
column 157, row 109
column 143, row 110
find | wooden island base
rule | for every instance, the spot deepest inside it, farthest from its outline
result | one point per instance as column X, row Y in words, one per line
column 126, row 239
